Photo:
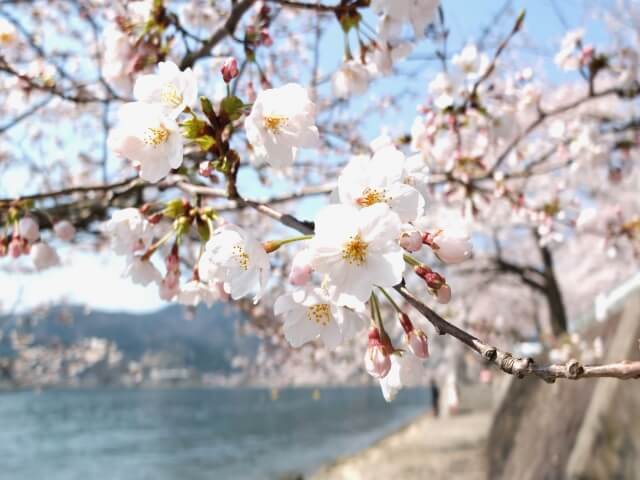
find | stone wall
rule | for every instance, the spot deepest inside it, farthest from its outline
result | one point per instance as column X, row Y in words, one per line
column 579, row 430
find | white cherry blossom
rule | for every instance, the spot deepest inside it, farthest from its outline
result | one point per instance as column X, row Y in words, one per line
column 234, row 257
column 357, row 249
column 419, row 13
column 352, row 78
column 129, row 231
column 169, row 87
column 195, row 292
column 367, row 181
column 146, row 136
column 142, row 272
column 405, row 371
column 310, row 314
column 281, row 121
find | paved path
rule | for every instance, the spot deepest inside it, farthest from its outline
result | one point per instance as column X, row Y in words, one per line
column 451, row 449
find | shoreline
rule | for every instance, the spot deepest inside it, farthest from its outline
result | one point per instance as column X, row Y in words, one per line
column 427, row 447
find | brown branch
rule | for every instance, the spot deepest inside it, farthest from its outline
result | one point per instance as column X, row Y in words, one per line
column 228, row 28
column 505, row 361
column 518, row 366
column 70, row 191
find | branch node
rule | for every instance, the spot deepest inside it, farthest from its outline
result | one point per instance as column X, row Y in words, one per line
column 573, row 369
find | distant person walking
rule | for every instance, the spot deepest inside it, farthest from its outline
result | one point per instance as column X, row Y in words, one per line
column 435, row 398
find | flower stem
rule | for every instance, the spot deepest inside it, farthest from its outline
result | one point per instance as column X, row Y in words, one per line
column 151, row 250
column 414, row 262
column 391, row 300
column 273, row 245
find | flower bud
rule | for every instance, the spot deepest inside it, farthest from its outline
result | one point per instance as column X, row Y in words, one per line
column 229, row 69
column 418, row 343
column 265, row 38
column 376, row 359
column 15, row 247
column 29, row 229
column 64, row 230
column 411, row 240
column 301, row 270
column 451, row 248
column 43, row 256
column 443, row 294
column 205, row 169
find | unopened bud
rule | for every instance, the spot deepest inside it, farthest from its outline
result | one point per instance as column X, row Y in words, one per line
column 64, row 230
column 418, row 343
column 205, row 169
column 15, row 247
column 376, row 360
column 411, row 240
column 265, row 38
column 29, row 229
column 301, row 269
column 451, row 248
column 443, row 294
column 229, row 69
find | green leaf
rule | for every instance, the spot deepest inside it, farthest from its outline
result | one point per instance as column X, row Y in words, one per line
column 206, row 142
column 233, row 107
column 193, row 128
column 207, row 108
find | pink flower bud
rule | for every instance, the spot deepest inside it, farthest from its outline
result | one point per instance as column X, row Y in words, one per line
column 172, row 262
column 15, row 247
column 443, row 294
column 418, row 343
column 411, row 240
column 64, row 230
column 229, row 69
column 376, row 360
column 301, row 270
column 265, row 38
column 44, row 256
column 29, row 229
column 205, row 169
column 450, row 248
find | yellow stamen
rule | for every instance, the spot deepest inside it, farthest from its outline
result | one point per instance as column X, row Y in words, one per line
column 371, row 196
column 156, row 135
column 355, row 250
column 241, row 256
column 170, row 96
column 321, row 314
column 274, row 123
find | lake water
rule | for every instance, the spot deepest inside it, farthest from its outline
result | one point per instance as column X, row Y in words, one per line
column 208, row 434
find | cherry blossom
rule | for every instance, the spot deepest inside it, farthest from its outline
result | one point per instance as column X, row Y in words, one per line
column 281, row 121
column 234, row 257
column 141, row 271
column 195, row 292
column 405, row 371
column 129, row 231
column 147, row 136
column 352, row 78
column 357, row 249
column 310, row 314
column 175, row 90
column 367, row 181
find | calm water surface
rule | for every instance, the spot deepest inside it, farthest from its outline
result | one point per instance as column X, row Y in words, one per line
column 189, row 434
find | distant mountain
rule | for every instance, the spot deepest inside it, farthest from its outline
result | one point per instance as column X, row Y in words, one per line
column 205, row 339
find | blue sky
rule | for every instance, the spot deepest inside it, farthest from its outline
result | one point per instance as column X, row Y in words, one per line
column 95, row 280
